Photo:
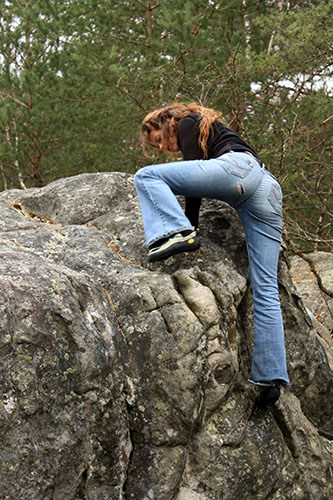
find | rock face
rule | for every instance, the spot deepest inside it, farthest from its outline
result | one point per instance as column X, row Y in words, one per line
column 313, row 278
column 122, row 380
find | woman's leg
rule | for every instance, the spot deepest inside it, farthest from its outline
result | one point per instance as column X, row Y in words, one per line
column 231, row 178
column 161, row 212
column 261, row 218
column 239, row 180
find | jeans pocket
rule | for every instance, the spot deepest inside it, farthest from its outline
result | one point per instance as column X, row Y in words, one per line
column 238, row 167
column 275, row 197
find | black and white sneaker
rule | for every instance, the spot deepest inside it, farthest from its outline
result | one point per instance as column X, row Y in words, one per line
column 177, row 243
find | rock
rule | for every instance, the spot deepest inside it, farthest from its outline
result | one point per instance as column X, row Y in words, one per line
column 313, row 278
column 123, row 380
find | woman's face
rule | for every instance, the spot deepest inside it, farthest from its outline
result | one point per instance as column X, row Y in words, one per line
column 168, row 144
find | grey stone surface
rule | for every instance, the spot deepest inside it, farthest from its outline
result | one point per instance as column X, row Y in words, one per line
column 312, row 275
column 123, row 380
column 313, row 278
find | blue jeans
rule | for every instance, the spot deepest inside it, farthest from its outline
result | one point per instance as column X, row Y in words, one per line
column 238, row 179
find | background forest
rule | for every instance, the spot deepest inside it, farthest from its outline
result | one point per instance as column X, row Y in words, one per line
column 78, row 76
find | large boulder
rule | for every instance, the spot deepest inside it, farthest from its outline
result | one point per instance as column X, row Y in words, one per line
column 123, row 380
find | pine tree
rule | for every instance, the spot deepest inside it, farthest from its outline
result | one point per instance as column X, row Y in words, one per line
column 77, row 77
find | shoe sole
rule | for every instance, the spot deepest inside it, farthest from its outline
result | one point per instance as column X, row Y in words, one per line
column 190, row 245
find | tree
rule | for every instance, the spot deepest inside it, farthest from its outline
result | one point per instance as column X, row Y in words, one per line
column 293, row 100
column 77, row 76
column 30, row 57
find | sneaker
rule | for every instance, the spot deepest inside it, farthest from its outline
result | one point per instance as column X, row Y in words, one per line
column 269, row 396
column 177, row 243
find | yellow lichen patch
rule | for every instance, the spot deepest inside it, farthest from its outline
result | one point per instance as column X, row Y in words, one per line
column 25, row 213
column 12, row 240
column 113, row 247
column 30, row 215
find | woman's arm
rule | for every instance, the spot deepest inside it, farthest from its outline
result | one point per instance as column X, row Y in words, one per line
column 188, row 137
column 192, row 207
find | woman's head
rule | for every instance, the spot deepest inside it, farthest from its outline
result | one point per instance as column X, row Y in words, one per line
column 159, row 128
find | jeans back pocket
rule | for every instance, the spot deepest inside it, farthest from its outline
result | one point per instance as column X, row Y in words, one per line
column 239, row 168
column 275, row 197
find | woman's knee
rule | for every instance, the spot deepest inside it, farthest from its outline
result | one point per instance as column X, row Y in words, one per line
column 266, row 294
column 141, row 174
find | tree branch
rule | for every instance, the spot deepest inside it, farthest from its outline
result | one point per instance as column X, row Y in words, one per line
column 17, row 101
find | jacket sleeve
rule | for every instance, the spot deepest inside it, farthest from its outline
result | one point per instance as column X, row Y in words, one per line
column 192, row 207
column 188, row 138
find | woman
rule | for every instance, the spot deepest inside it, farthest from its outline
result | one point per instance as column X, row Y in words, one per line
column 217, row 164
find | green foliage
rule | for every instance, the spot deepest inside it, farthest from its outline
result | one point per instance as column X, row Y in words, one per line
column 77, row 76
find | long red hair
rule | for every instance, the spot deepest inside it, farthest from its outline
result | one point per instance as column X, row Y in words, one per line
column 169, row 116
